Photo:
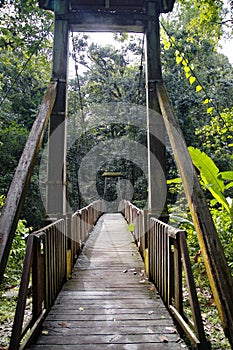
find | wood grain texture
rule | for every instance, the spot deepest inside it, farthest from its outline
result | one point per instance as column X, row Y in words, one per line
column 109, row 303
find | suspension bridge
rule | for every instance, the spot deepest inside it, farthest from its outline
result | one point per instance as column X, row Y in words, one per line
column 103, row 279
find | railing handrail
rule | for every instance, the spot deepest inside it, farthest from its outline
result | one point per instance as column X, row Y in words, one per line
column 165, row 270
column 33, row 248
column 47, row 281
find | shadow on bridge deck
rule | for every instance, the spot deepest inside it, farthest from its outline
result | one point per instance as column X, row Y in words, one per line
column 109, row 303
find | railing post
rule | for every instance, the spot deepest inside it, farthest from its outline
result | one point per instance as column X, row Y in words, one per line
column 178, row 294
column 19, row 314
column 69, row 257
column 192, row 291
column 37, row 281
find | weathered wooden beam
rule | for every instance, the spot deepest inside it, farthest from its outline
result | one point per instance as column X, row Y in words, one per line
column 56, row 184
column 215, row 262
column 17, row 191
column 111, row 5
column 155, row 124
column 105, row 22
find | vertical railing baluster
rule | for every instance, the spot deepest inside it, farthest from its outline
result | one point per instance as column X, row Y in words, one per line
column 37, row 286
column 178, row 297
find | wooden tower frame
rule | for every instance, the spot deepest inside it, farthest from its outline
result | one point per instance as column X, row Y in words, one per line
column 108, row 16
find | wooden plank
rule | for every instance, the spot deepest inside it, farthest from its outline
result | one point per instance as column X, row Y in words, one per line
column 112, row 317
column 126, row 346
column 107, row 338
column 64, row 328
column 106, row 305
column 11, row 211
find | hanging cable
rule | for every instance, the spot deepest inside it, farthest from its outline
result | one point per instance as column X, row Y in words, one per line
column 194, row 74
column 74, row 57
column 140, row 70
column 16, row 77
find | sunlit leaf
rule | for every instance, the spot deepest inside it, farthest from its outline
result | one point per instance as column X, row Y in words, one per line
column 179, row 59
column 206, row 101
column 210, row 175
column 177, row 180
column 192, row 80
column 131, row 227
column 227, row 175
column 210, row 110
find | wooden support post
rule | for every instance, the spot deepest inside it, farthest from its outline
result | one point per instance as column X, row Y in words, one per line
column 156, row 132
column 17, row 191
column 56, row 184
column 215, row 262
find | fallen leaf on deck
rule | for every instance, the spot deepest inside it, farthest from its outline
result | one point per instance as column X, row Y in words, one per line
column 152, row 288
column 171, row 329
column 63, row 324
column 44, row 332
column 150, row 330
column 163, row 339
column 81, row 308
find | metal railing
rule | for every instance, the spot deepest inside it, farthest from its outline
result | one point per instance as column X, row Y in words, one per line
column 49, row 256
column 168, row 263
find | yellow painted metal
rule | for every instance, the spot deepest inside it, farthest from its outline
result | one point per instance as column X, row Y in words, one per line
column 146, row 261
column 68, row 264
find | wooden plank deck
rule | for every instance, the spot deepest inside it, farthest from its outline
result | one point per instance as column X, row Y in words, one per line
column 109, row 303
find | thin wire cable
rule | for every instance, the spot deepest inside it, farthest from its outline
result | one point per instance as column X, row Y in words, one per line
column 77, row 78
column 16, row 77
column 141, row 70
column 194, row 74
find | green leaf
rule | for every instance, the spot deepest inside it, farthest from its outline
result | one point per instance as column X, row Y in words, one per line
column 229, row 185
column 209, row 173
column 208, row 170
column 227, row 175
column 180, row 220
column 131, row 227
column 177, row 180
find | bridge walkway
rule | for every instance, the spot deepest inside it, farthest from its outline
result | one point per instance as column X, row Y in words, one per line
column 109, row 303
